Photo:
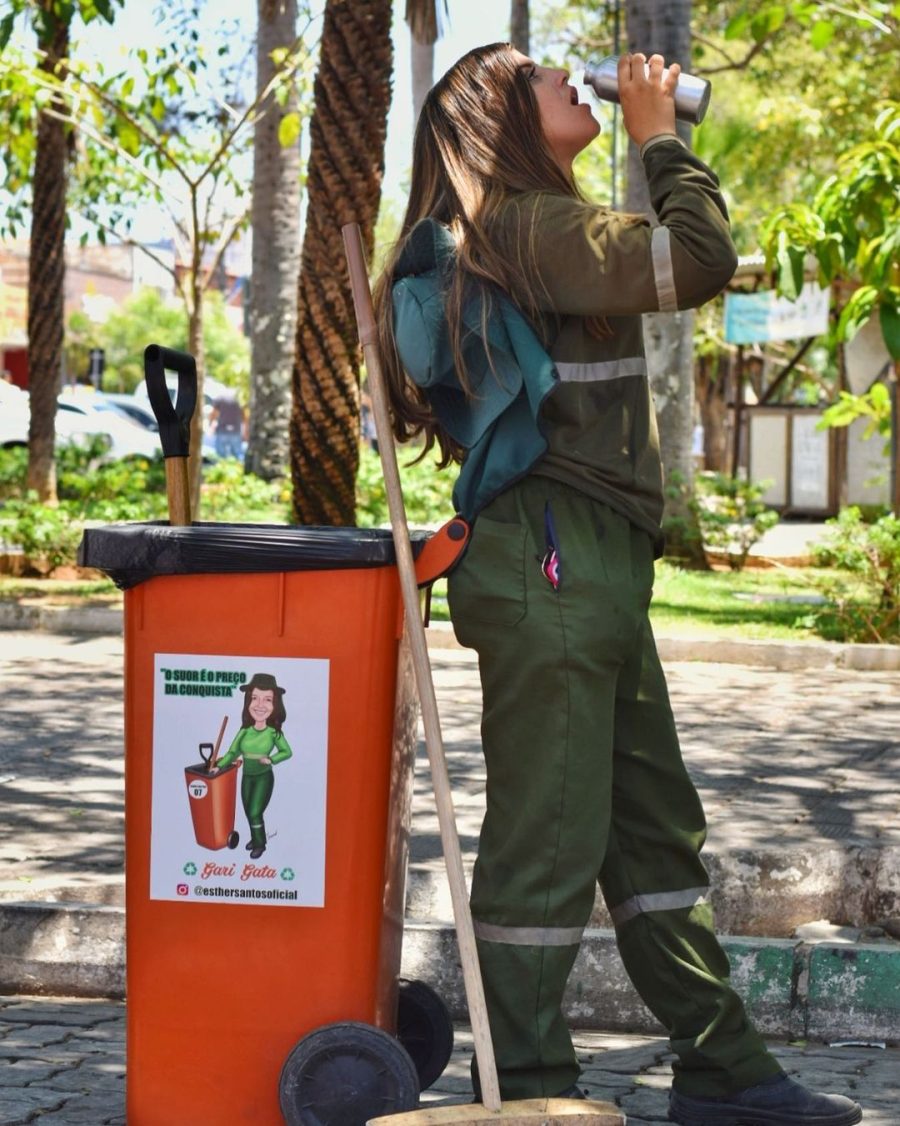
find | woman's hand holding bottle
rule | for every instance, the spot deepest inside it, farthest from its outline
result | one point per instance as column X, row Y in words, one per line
column 647, row 98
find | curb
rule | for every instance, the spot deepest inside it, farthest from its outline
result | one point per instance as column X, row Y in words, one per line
column 755, row 892
column 783, row 655
column 62, row 949
column 793, row 989
column 60, row 619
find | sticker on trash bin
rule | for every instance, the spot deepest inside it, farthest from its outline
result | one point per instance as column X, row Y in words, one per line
column 240, row 747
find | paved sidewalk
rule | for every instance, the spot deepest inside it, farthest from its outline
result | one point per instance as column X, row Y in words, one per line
column 803, row 761
column 798, row 769
column 63, row 1062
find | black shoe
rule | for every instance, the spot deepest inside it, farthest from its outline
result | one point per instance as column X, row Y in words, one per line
column 257, row 851
column 776, row 1102
column 249, row 845
column 572, row 1092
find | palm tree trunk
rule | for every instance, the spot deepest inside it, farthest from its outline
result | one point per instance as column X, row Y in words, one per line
column 519, row 26
column 46, row 280
column 276, row 254
column 665, row 27
column 346, row 163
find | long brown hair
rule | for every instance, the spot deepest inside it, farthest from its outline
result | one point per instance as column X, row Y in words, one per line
column 478, row 144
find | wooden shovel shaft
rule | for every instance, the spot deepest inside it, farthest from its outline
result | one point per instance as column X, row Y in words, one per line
column 365, row 318
column 178, row 491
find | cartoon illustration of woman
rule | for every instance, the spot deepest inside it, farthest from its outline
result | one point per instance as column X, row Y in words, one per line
column 262, row 745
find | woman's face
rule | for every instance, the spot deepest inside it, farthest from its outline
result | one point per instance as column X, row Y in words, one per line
column 262, row 704
column 568, row 125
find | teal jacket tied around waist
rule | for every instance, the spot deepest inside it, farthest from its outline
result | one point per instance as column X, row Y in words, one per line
column 499, row 424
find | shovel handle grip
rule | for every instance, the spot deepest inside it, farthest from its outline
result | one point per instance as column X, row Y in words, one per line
column 174, row 418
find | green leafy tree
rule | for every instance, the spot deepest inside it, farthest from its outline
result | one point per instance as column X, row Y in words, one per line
column 160, row 129
column 51, row 21
column 852, row 227
column 146, row 315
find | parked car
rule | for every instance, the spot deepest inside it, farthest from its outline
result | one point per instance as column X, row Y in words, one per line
column 138, row 410
column 77, row 418
column 130, row 408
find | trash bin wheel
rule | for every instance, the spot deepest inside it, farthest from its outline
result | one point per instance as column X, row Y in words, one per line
column 344, row 1074
column 233, row 838
column 425, row 1029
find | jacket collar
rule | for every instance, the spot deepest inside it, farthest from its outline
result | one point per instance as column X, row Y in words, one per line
column 429, row 246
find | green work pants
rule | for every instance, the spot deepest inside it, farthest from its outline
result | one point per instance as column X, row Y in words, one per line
column 256, row 790
column 585, row 782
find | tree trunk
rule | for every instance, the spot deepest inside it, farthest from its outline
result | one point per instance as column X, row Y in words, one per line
column 710, row 388
column 195, row 347
column 423, row 20
column 654, row 26
column 46, row 282
column 519, row 26
column 422, row 65
column 351, row 99
column 276, row 255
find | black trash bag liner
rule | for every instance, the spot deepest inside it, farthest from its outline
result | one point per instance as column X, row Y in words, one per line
column 132, row 553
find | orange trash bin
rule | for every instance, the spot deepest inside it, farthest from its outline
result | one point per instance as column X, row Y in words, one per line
column 234, row 956
column 212, row 802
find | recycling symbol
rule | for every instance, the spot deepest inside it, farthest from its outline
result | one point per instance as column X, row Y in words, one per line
column 190, row 869
column 287, row 873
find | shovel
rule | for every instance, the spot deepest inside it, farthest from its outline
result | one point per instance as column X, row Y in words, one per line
column 174, row 422
column 528, row 1112
column 213, row 750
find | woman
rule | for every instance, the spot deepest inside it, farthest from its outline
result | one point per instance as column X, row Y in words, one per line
column 510, row 335
column 261, row 744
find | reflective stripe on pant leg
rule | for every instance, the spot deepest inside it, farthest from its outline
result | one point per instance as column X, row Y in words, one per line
column 657, row 901
column 528, row 936
column 655, row 886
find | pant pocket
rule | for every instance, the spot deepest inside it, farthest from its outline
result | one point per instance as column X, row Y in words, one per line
column 489, row 583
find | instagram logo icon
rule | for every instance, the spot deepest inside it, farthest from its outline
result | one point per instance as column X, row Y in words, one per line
column 182, row 889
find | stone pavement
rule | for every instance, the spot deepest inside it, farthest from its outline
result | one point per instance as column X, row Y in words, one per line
column 798, row 770
column 800, row 764
column 63, row 1061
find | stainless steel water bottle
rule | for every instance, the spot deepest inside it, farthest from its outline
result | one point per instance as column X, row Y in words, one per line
column 691, row 93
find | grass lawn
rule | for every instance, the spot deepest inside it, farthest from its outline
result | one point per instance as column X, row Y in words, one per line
column 774, row 603
column 61, row 592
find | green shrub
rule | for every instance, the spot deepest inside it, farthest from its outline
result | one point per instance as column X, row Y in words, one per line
column 426, row 490
column 13, row 467
column 47, row 535
column 864, row 590
column 135, row 479
column 731, row 515
column 230, row 494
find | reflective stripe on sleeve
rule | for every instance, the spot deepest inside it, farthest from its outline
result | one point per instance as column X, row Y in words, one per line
column 663, row 275
column 658, row 901
column 601, row 370
column 528, row 936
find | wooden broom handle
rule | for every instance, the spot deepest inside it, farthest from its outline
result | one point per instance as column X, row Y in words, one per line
column 365, row 320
